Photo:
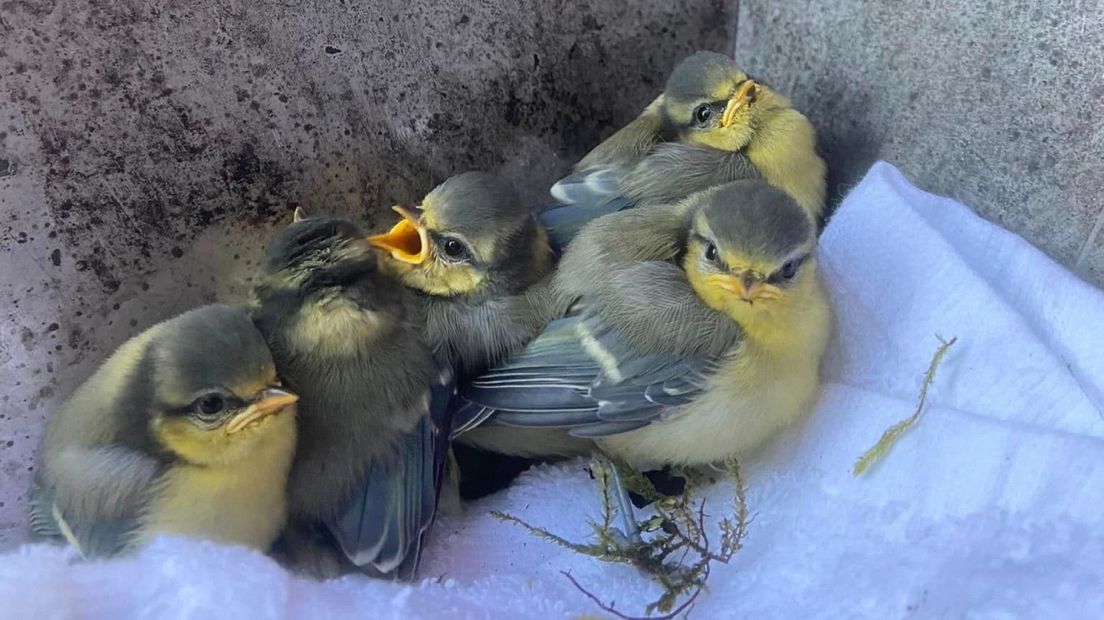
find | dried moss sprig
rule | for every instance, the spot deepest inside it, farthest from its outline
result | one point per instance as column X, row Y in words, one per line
column 893, row 433
column 675, row 550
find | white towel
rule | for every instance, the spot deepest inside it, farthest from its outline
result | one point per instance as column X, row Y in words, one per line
column 991, row 507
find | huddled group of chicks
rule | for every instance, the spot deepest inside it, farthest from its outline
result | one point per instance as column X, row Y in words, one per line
column 665, row 309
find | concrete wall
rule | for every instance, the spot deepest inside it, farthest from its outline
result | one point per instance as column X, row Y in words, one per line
column 999, row 104
column 148, row 148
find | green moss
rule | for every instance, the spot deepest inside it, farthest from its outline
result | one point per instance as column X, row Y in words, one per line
column 893, row 433
column 674, row 549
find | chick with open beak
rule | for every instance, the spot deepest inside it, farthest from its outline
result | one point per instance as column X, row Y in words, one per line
column 407, row 241
column 480, row 262
column 470, row 240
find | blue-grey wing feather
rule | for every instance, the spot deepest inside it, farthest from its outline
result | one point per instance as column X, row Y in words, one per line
column 95, row 538
column 666, row 174
column 580, row 198
column 384, row 522
column 557, row 381
column 605, row 429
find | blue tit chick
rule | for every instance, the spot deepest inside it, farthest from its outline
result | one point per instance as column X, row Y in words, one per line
column 696, row 334
column 348, row 339
column 712, row 124
column 184, row 430
column 481, row 266
column 479, row 260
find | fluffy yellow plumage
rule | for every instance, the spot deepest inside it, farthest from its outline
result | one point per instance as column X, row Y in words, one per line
column 234, row 502
column 698, row 334
column 183, row 431
column 772, row 382
column 709, row 101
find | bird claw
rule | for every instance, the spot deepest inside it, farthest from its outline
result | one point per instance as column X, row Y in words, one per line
column 625, row 508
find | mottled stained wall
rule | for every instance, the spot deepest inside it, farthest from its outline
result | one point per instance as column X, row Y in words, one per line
column 147, row 148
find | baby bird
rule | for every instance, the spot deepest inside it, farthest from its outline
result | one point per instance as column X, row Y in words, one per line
column 711, row 125
column 474, row 252
column 481, row 264
column 348, row 339
column 695, row 335
column 184, row 430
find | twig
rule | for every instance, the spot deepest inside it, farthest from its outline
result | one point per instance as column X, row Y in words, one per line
column 610, row 609
column 893, row 433
column 701, row 523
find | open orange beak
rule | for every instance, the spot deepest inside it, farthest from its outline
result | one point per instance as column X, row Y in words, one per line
column 268, row 402
column 744, row 95
column 407, row 241
column 746, row 288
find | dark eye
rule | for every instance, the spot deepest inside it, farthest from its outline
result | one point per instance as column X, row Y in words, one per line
column 210, row 405
column 711, row 253
column 703, row 114
column 454, row 248
column 789, row 270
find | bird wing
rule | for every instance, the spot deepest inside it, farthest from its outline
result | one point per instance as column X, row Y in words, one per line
column 91, row 538
column 581, row 197
column 43, row 521
column 384, row 521
column 668, row 173
column 95, row 497
column 674, row 170
column 581, row 374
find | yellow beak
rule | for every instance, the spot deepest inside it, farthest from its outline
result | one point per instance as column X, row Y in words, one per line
column 744, row 95
column 746, row 288
column 407, row 241
column 267, row 402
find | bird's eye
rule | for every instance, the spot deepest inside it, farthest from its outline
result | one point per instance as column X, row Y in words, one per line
column 454, row 248
column 711, row 253
column 789, row 270
column 703, row 114
column 210, row 405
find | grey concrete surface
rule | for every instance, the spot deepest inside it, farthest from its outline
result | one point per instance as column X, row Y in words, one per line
column 998, row 104
column 148, row 147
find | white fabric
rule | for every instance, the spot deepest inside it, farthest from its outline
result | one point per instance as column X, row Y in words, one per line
column 991, row 507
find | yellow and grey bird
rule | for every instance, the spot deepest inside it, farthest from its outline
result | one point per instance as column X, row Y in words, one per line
column 712, row 124
column 695, row 335
column 481, row 265
column 184, row 430
column 349, row 340
column 480, row 260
